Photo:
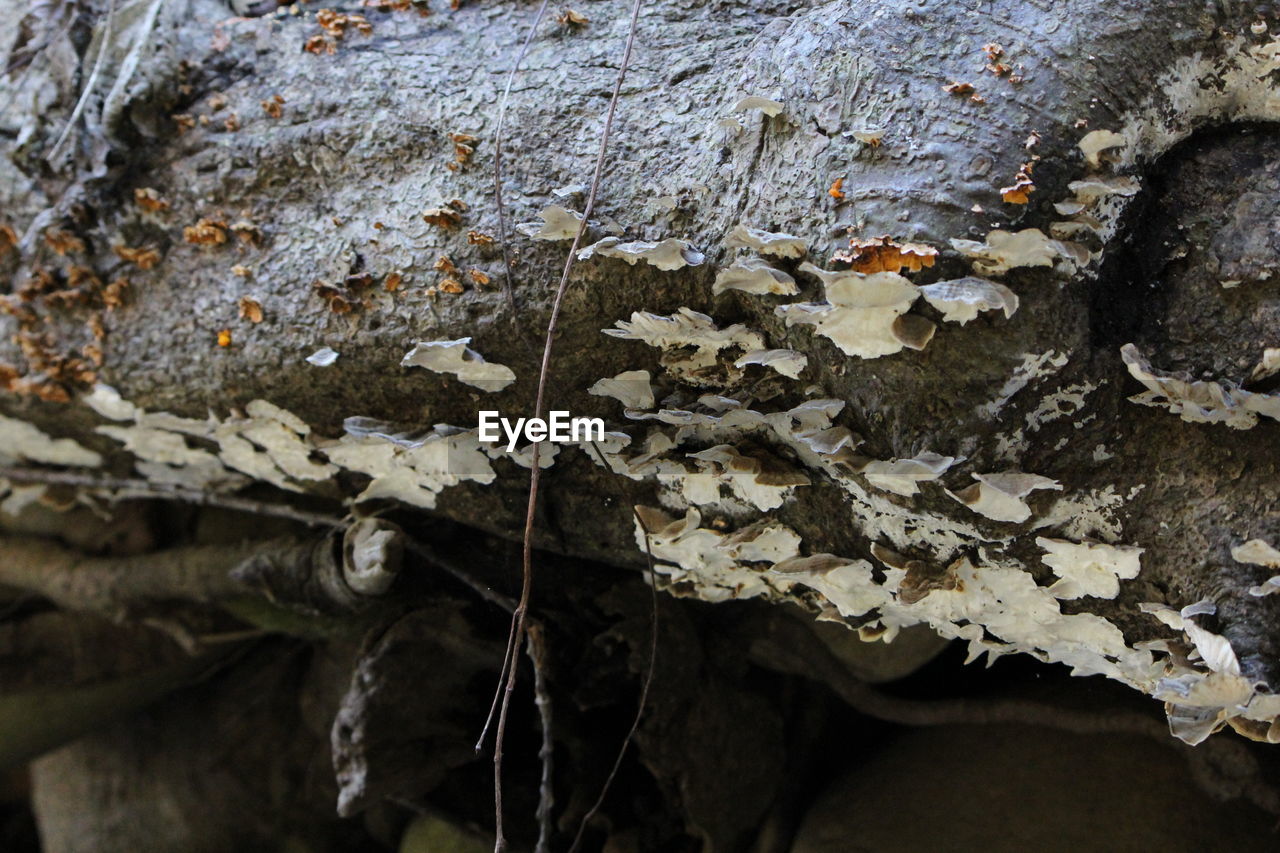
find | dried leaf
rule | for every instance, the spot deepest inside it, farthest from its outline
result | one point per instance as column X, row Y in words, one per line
column 206, row 232
column 63, row 242
column 149, row 200
column 250, row 309
column 144, row 259
column 442, row 217
column 570, row 18
column 884, row 254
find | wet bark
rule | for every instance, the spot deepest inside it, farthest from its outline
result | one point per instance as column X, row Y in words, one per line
column 297, row 198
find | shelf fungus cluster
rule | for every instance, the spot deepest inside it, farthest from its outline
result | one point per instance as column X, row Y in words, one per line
column 992, row 603
column 865, row 315
column 1030, row 247
column 690, row 340
column 950, row 570
column 719, row 454
column 1198, row 401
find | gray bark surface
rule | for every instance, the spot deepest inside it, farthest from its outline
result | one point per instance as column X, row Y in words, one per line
column 335, row 188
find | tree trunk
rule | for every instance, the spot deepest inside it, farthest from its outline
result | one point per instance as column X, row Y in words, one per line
column 942, row 321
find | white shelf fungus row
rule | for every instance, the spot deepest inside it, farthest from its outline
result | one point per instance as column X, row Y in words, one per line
column 1089, row 568
column 668, row 254
column 997, row 607
column 685, row 328
column 24, row 442
column 1006, row 250
column 1198, row 401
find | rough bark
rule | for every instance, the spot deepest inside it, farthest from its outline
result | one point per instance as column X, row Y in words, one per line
column 1161, row 236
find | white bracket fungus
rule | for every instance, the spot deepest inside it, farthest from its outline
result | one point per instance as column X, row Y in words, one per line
column 270, row 445
column 1088, row 192
column 20, row 440
column 322, row 357
column 669, row 254
column 766, row 242
column 1002, row 496
column 960, row 300
column 630, row 387
column 685, row 328
column 1004, row 250
column 755, row 102
column 1097, row 141
column 1267, row 366
column 1258, row 553
column 558, row 223
column 903, row 476
column 107, row 402
column 753, row 275
column 165, row 457
column 863, row 313
column 711, row 561
column 765, row 483
column 412, row 471
column 1198, row 401
column 1268, row 587
column 458, row 359
column 1204, row 695
column 523, row 457
column 787, row 362
column 1089, row 568
column 764, row 541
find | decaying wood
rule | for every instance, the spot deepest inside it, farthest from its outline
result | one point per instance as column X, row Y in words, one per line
column 1052, row 361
